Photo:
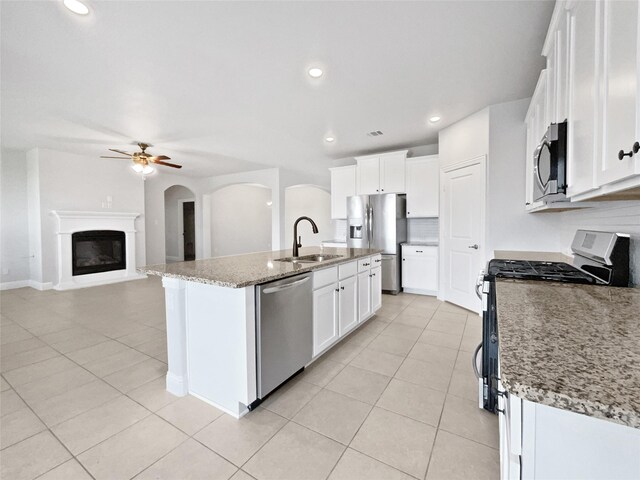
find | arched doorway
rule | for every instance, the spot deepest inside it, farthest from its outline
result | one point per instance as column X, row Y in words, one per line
column 179, row 224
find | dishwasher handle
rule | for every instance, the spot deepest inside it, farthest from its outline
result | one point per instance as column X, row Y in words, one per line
column 286, row 286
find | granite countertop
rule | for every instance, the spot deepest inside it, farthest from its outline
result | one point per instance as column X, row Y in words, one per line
column 239, row 271
column 434, row 243
column 570, row 346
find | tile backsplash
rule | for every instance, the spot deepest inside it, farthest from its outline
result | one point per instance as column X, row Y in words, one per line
column 423, row 230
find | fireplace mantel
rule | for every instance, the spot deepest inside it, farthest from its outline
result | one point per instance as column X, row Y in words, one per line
column 70, row 222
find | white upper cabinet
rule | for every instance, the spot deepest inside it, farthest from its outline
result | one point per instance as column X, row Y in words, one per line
column 343, row 185
column 593, row 59
column 383, row 173
column 582, row 96
column 423, row 186
column 619, row 25
column 536, row 120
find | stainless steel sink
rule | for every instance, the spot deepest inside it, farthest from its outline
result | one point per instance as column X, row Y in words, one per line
column 316, row 258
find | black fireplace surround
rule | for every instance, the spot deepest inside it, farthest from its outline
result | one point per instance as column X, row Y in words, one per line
column 98, row 251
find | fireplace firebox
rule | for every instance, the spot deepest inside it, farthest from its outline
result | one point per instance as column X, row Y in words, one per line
column 96, row 251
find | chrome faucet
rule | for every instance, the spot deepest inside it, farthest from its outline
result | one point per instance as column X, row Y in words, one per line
column 297, row 241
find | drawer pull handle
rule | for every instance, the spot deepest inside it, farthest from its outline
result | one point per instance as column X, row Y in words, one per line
column 341, row 288
column 419, row 251
column 622, row 154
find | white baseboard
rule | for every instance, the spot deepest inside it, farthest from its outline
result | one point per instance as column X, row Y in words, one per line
column 26, row 283
column 95, row 280
column 173, row 259
column 15, row 284
column 418, row 291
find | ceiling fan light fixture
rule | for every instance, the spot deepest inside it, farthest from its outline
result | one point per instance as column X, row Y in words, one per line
column 147, row 169
column 76, row 6
column 137, row 168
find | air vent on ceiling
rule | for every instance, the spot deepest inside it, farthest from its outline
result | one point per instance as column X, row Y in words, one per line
column 375, row 133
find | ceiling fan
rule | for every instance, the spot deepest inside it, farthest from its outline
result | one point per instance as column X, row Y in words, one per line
column 142, row 160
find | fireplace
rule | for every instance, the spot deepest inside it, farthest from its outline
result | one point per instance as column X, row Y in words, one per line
column 96, row 251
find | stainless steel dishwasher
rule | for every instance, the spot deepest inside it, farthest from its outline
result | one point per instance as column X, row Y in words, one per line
column 284, row 330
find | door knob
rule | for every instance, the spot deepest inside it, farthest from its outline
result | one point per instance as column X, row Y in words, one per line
column 474, row 246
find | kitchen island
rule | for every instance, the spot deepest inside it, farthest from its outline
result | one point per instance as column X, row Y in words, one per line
column 569, row 376
column 211, row 315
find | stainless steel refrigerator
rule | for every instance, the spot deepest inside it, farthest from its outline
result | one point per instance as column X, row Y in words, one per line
column 379, row 221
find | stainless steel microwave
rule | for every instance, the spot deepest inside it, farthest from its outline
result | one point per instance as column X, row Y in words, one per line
column 550, row 165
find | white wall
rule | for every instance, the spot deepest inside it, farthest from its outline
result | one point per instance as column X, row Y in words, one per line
column 464, row 140
column 313, row 202
column 72, row 182
column 14, row 223
column 508, row 223
column 173, row 219
column 240, row 220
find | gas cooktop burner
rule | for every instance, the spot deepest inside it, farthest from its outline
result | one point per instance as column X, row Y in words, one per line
column 550, row 271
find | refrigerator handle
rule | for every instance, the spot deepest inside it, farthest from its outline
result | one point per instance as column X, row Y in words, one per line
column 370, row 222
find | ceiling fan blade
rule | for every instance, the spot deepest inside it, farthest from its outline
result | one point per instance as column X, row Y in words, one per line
column 120, row 158
column 120, row 151
column 166, row 164
column 158, row 157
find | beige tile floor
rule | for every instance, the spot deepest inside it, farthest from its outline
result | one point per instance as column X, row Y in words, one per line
column 83, row 397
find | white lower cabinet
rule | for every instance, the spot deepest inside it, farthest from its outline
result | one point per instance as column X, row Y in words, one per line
column 420, row 269
column 342, row 298
column 364, row 295
column 542, row 442
column 348, row 317
column 325, row 317
column 376, row 289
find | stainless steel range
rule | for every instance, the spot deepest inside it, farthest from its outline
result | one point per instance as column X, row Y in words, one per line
column 600, row 258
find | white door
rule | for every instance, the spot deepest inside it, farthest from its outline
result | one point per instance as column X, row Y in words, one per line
column 376, row 289
column 463, row 196
column 325, row 317
column 369, row 176
column 620, row 102
column 364, row 295
column 392, row 173
column 348, row 317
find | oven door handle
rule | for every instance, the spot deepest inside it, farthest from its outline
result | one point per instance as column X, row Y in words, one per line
column 479, row 283
column 474, row 361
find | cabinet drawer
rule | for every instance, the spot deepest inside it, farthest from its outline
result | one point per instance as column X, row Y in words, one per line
column 364, row 264
column 325, row 277
column 419, row 250
column 376, row 261
column 347, row 270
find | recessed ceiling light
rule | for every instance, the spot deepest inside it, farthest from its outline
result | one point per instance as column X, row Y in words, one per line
column 76, row 6
column 315, row 72
column 329, row 139
column 434, row 119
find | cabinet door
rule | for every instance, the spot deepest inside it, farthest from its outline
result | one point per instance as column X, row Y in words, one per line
column 583, row 94
column 392, row 171
column 325, row 317
column 343, row 185
column 423, row 184
column 369, row 176
column 364, row 295
column 348, row 317
column 620, row 89
column 420, row 270
column 536, row 121
column 376, row 289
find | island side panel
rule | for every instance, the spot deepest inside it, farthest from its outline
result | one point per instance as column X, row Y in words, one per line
column 220, row 332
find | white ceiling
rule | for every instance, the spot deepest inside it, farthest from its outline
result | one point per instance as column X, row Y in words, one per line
column 222, row 87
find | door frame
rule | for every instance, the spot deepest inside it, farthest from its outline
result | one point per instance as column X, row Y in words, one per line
column 181, row 203
column 444, row 220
